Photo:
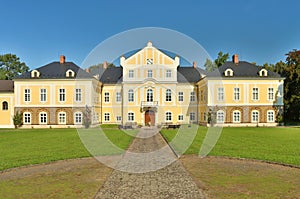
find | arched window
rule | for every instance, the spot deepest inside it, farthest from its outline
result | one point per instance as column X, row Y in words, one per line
column 168, row 116
column 220, row 116
column 229, row 72
column 236, row 116
column 4, row 105
column 130, row 95
column 255, row 116
column 149, row 95
column 168, row 95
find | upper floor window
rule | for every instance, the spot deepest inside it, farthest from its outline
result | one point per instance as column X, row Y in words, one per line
column 201, row 95
column 131, row 73
column 220, row 116
column 27, row 95
column 149, row 73
column 62, row 95
column 236, row 116
column 43, row 95
column 270, row 93
column 236, row 93
column 168, row 95
column 169, row 73
column 149, row 95
column 106, row 97
column 192, row 96
column 255, row 93
column 118, row 97
column 149, row 61
column 78, row 95
column 220, row 94
column 4, row 105
column 130, row 95
column 180, row 96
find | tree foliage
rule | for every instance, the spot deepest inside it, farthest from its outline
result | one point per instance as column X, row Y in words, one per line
column 18, row 119
column 219, row 61
column 10, row 66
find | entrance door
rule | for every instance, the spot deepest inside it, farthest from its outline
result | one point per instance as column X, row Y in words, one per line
column 150, row 118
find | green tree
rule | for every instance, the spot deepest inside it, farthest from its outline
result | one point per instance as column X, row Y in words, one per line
column 221, row 59
column 18, row 119
column 10, row 66
column 209, row 65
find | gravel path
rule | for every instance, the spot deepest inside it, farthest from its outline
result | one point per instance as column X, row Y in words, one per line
column 149, row 169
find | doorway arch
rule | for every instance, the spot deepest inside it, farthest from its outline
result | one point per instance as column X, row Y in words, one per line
column 149, row 118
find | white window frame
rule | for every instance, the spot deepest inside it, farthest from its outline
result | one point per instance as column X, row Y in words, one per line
column 192, row 116
column 27, row 97
column 271, row 94
column 192, row 96
column 272, row 114
column 78, row 118
column 255, row 116
column 236, row 114
column 130, row 95
column 236, row 94
column 180, row 117
column 168, row 73
column 62, row 117
column 118, row 118
column 149, row 73
column 27, row 118
column 131, row 74
column 168, row 95
column 62, row 94
column 106, row 97
column 149, row 96
column 106, row 117
column 220, row 117
column 78, row 95
column 220, row 94
column 43, row 95
column 180, row 96
column 130, row 116
column 118, row 97
column 44, row 115
column 255, row 94
column 168, row 117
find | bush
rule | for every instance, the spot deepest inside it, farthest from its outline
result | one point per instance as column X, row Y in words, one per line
column 109, row 126
column 18, row 119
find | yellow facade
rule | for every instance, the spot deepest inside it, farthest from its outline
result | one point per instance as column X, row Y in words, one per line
column 6, row 109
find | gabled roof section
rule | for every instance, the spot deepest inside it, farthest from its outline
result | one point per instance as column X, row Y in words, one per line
column 241, row 69
column 57, row 70
column 112, row 75
column 6, row 86
column 189, row 74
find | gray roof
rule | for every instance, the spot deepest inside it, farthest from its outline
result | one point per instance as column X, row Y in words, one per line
column 112, row 75
column 56, row 70
column 242, row 69
column 6, row 86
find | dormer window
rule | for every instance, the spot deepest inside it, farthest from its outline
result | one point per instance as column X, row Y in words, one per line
column 228, row 72
column 70, row 73
column 263, row 73
column 35, row 74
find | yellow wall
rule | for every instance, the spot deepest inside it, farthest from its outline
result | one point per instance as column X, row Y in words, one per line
column 6, row 115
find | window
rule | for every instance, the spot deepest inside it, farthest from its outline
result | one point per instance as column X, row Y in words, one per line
column 270, row 116
column 229, row 72
column 61, row 118
column 119, row 118
column 169, row 73
column 180, row 96
column 131, row 74
column 149, row 73
column 180, row 117
column 220, row 116
column 78, row 95
column 149, row 61
column 192, row 116
column 270, row 93
column 255, row 116
column 236, row 116
column 149, row 95
column 130, row 95
column 168, row 95
column 168, row 116
column 255, row 93
column 106, row 117
column 118, row 97
column 263, row 72
column 78, row 118
column 62, row 95
column 27, row 95
column 4, row 106
column 192, row 96
column 43, row 118
column 236, row 93
column 43, row 96
column 220, row 94
column 130, row 117
column 201, row 95
column 27, row 118
column 106, row 97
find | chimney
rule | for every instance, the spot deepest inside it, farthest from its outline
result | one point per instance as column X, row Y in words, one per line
column 62, row 59
column 195, row 64
column 235, row 59
column 87, row 70
column 105, row 65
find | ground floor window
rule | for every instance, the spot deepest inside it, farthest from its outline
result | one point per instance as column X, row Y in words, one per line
column 106, row 117
column 220, row 116
column 78, row 118
column 270, row 116
column 119, row 118
column 43, row 118
column 180, row 117
column 130, row 117
column 192, row 116
column 27, row 118
column 61, row 118
column 236, row 116
column 255, row 116
column 168, row 116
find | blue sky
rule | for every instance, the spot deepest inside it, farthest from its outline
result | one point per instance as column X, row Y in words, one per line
column 39, row 31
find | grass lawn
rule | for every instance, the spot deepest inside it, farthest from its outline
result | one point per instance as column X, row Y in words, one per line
column 271, row 144
column 34, row 146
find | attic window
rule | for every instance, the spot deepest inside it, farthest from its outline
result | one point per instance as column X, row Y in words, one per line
column 263, row 73
column 228, row 72
column 70, row 73
column 35, row 74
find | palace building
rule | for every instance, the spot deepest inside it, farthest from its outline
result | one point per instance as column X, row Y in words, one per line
column 148, row 88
